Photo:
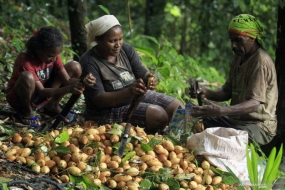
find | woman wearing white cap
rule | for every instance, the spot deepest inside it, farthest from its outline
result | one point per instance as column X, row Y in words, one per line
column 120, row 75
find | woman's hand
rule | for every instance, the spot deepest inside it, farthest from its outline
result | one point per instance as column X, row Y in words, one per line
column 153, row 82
column 89, row 80
column 138, row 87
column 76, row 88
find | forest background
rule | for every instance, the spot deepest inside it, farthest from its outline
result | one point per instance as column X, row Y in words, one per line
column 176, row 39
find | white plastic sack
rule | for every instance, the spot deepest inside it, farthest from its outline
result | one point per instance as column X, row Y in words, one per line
column 223, row 146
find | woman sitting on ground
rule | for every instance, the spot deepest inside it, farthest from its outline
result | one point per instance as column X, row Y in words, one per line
column 120, row 75
column 39, row 77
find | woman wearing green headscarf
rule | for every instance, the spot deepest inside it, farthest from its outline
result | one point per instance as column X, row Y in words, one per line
column 251, row 85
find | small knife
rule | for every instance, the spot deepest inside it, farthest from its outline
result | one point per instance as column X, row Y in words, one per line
column 124, row 140
column 197, row 96
column 134, row 104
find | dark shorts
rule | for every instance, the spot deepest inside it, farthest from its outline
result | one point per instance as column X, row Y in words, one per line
column 117, row 115
column 36, row 100
column 254, row 131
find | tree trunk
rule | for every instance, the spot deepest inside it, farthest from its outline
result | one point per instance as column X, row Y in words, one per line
column 280, row 66
column 77, row 12
column 184, row 27
column 154, row 18
column 55, row 9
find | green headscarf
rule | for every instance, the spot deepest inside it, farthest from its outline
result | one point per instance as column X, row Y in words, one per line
column 248, row 25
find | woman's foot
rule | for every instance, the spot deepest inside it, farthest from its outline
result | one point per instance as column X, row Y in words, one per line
column 32, row 121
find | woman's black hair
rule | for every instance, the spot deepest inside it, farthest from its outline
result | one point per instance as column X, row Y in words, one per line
column 44, row 39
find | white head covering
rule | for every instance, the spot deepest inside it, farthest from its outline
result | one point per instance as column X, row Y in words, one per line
column 98, row 27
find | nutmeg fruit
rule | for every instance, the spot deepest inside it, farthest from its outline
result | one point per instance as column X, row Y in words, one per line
column 150, row 79
column 199, row 127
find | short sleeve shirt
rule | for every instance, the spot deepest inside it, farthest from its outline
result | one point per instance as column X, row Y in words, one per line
column 254, row 79
column 110, row 76
column 40, row 70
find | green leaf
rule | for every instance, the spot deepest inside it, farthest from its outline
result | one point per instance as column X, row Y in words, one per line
column 145, row 184
column 62, row 137
column 173, row 184
column 30, row 130
column 115, row 131
column 146, row 53
column 157, row 179
column 18, row 44
column 3, row 138
column 82, row 184
column 72, row 178
column 164, row 178
column 136, row 138
column 165, row 174
column 165, row 171
column 173, row 140
column 98, row 157
column 104, row 9
column 242, row 5
column 148, row 174
column 232, row 179
column 116, row 146
column 5, row 186
column 254, row 160
column 102, row 187
column 275, row 168
column 228, row 177
column 61, row 149
column 154, row 142
column 93, row 145
column 181, row 177
column 128, row 156
column 88, row 182
column 269, row 165
column 249, row 165
column 205, row 175
column 118, row 126
column 145, row 147
column 151, row 39
column 78, row 181
column 5, row 179
column 9, row 132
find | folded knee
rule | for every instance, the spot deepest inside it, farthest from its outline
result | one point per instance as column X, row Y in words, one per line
column 26, row 79
column 156, row 118
column 26, row 76
column 73, row 69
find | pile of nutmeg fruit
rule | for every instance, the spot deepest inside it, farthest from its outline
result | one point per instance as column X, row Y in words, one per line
column 91, row 151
